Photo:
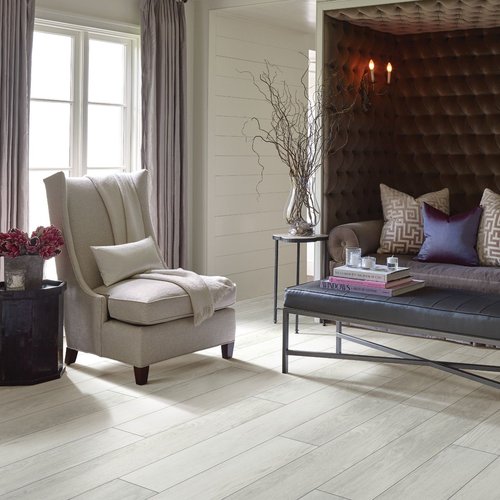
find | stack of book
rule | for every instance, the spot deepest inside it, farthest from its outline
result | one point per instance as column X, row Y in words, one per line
column 378, row 281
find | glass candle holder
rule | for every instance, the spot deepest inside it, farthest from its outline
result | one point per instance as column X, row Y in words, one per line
column 353, row 256
column 392, row 263
column 15, row 280
column 368, row 262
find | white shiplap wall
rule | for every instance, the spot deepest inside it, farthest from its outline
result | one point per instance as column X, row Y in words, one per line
column 239, row 222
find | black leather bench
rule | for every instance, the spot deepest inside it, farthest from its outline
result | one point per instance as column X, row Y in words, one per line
column 437, row 312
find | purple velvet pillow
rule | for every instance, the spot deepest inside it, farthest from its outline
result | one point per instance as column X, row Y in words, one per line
column 450, row 239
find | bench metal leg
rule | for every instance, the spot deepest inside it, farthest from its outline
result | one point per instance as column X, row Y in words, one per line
column 455, row 368
column 286, row 323
column 450, row 367
column 402, row 358
column 338, row 343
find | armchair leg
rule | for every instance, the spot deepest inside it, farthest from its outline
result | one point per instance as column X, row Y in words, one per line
column 227, row 350
column 71, row 355
column 141, row 375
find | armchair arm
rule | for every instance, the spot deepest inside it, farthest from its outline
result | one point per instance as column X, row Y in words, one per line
column 364, row 234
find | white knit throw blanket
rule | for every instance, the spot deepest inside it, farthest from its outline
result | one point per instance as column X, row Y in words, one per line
column 119, row 195
column 204, row 291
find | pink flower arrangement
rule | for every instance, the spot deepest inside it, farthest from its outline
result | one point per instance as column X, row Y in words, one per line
column 44, row 241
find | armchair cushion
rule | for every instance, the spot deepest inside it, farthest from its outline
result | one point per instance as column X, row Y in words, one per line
column 117, row 262
column 150, row 302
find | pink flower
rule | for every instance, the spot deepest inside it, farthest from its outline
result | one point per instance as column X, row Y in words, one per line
column 44, row 241
column 13, row 243
column 50, row 241
column 33, row 246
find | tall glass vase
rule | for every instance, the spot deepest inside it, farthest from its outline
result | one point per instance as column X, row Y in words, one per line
column 302, row 209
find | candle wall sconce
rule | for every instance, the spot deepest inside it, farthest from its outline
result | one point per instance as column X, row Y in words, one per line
column 367, row 86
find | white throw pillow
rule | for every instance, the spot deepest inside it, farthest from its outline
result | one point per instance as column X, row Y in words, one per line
column 117, row 262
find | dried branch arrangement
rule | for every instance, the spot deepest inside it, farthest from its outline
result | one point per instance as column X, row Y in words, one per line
column 304, row 127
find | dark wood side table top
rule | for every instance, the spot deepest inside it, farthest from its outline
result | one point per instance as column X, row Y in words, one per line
column 48, row 286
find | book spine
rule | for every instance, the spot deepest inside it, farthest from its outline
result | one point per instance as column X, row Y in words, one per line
column 352, row 273
column 349, row 281
column 374, row 284
column 355, row 288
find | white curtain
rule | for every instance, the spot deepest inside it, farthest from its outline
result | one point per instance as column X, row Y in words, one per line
column 17, row 19
column 16, row 38
column 163, row 28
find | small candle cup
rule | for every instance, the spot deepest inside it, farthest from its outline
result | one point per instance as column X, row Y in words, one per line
column 353, row 256
column 368, row 262
column 392, row 263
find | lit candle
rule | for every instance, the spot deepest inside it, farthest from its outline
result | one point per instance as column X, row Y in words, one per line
column 371, row 66
column 389, row 71
column 392, row 263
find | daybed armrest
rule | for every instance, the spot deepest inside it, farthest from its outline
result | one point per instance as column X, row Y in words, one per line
column 364, row 234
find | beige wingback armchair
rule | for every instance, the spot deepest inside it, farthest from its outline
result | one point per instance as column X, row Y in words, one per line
column 136, row 321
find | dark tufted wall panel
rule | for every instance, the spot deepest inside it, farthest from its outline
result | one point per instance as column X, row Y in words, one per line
column 351, row 177
column 447, row 129
column 439, row 127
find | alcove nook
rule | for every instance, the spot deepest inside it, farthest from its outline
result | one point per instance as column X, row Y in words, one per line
column 438, row 122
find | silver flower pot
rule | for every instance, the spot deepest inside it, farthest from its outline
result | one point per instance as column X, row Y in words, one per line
column 24, row 272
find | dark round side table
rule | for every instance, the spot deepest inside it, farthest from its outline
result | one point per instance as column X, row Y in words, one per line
column 31, row 334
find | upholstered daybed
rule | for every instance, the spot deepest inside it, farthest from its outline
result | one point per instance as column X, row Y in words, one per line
column 370, row 237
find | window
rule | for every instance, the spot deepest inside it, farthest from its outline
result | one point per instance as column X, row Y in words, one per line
column 83, row 115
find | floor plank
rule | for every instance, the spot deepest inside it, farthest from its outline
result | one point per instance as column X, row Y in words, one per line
column 483, row 486
column 200, row 457
column 234, row 474
column 113, row 465
column 320, row 495
column 34, row 468
column 382, row 469
column 485, row 436
column 117, row 489
column 307, row 473
column 442, row 476
column 23, row 425
column 335, row 422
column 41, row 441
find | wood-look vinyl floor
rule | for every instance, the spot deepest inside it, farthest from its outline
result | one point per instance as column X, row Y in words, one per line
column 208, row 428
